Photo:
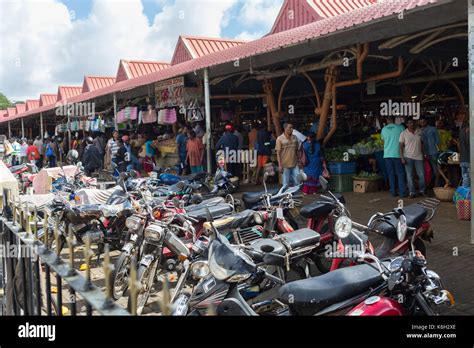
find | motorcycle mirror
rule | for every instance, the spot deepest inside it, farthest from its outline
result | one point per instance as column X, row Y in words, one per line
column 180, row 185
column 301, row 177
column 196, row 198
column 323, row 182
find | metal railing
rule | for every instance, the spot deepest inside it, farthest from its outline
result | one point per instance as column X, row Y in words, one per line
column 35, row 279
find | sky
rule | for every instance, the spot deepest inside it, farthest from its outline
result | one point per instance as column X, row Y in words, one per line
column 46, row 43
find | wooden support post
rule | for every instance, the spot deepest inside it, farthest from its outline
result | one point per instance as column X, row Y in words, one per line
column 330, row 79
column 268, row 88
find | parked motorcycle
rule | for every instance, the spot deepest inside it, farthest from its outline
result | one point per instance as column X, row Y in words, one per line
column 278, row 261
column 417, row 216
column 401, row 286
column 102, row 224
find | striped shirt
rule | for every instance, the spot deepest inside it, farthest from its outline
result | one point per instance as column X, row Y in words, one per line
column 113, row 146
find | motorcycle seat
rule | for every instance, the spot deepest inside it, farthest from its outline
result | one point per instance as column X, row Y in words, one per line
column 309, row 296
column 319, row 208
column 211, row 202
column 267, row 251
column 415, row 215
column 272, row 251
column 237, row 220
column 251, row 198
column 216, row 212
column 301, row 238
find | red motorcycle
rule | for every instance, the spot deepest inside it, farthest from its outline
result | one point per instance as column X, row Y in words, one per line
column 416, row 216
column 323, row 214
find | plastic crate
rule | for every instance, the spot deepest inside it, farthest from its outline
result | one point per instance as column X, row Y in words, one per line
column 341, row 183
column 339, row 168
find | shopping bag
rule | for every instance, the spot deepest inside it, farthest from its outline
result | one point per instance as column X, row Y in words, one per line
column 463, row 208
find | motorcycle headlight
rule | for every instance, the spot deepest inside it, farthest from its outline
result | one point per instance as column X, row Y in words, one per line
column 258, row 218
column 200, row 269
column 109, row 210
column 402, row 228
column 133, row 223
column 154, row 232
column 343, row 227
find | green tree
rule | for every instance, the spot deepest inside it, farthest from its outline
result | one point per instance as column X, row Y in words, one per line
column 4, row 102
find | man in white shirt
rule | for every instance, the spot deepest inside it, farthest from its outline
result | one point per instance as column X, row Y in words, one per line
column 411, row 155
column 113, row 146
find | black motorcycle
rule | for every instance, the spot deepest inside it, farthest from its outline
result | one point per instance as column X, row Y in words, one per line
column 101, row 223
column 274, row 262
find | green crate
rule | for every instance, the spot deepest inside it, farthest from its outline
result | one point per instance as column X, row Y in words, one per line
column 341, row 183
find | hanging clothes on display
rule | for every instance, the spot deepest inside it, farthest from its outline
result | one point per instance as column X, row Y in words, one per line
column 149, row 116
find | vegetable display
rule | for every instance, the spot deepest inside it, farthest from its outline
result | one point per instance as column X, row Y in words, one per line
column 338, row 154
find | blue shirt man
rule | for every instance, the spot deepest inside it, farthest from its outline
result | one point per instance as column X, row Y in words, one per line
column 393, row 163
column 430, row 138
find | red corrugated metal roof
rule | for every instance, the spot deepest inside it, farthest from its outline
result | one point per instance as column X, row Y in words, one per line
column 68, row 92
column 92, row 83
column 48, row 99
column 20, row 108
column 130, row 69
column 266, row 44
column 11, row 112
column 295, row 13
column 32, row 104
column 327, row 9
column 191, row 47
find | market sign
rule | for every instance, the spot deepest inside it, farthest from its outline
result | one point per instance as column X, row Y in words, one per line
column 169, row 92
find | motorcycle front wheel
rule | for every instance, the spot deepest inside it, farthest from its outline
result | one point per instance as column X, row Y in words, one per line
column 145, row 277
column 120, row 275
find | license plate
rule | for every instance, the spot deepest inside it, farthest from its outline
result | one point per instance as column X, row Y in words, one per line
column 209, row 284
column 147, row 260
column 279, row 213
column 127, row 247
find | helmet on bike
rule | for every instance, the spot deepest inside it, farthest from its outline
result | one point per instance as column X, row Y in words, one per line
column 89, row 140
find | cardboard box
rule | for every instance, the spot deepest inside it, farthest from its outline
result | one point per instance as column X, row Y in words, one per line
column 363, row 186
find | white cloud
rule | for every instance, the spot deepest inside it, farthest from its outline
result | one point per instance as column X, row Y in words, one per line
column 42, row 47
column 260, row 12
column 250, row 36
